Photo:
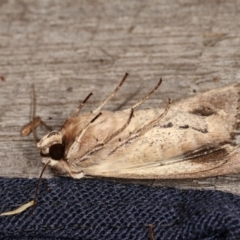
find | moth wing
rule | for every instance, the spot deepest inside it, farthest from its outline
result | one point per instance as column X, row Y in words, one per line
column 219, row 162
column 223, row 101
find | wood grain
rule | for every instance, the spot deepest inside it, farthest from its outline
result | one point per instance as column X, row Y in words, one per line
column 70, row 48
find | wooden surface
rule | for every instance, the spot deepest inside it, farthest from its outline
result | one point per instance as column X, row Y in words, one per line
column 70, row 48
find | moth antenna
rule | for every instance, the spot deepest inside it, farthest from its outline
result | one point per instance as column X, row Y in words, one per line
column 87, row 126
column 112, row 94
column 148, row 95
column 101, row 145
column 33, row 113
column 38, row 184
column 145, row 128
column 35, row 122
column 81, row 105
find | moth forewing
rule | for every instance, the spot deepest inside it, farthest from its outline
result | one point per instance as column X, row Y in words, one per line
column 194, row 138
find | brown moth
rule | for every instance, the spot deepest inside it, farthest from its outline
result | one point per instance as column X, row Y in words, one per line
column 192, row 138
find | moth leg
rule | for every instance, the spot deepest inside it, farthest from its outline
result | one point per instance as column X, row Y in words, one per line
column 151, row 233
column 28, row 128
column 148, row 95
column 81, row 105
column 110, row 137
column 87, row 126
column 151, row 124
column 18, row 210
column 112, row 94
column 145, row 128
column 100, row 145
column 31, row 127
column 79, row 138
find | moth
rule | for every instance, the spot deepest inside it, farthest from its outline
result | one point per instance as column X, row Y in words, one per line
column 192, row 138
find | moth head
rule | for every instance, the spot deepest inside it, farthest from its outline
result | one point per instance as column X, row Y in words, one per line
column 52, row 147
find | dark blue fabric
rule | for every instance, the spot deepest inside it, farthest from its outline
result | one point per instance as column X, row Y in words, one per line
column 97, row 209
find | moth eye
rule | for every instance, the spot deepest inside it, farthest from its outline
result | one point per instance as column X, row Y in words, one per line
column 56, row 151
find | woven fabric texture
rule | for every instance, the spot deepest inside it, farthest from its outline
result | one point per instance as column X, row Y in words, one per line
column 97, row 209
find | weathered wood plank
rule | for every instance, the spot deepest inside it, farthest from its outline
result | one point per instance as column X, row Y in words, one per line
column 70, row 48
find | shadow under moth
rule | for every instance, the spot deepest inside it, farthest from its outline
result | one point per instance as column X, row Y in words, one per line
column 192, row 138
